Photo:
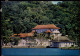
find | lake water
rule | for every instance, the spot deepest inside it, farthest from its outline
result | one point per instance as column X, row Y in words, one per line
column 39, row 51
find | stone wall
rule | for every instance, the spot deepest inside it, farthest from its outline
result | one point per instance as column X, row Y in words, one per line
column 37, row 42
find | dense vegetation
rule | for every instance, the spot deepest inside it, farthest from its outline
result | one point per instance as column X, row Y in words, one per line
column 22, row 16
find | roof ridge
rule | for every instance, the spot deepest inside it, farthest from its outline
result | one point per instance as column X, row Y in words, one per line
column 46, row 26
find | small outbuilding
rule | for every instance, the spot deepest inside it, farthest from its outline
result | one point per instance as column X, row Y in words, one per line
column 63, row 41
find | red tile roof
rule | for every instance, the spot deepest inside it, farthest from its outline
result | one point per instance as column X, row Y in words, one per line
column 23, row 35
column 49, row 26
column 26, row 34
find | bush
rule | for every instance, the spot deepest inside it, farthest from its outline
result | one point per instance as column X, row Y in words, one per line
column 76, row 47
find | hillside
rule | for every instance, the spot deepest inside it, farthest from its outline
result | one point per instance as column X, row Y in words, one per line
column 21, row 17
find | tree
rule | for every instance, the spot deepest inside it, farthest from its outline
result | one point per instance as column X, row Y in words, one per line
column 21, row 17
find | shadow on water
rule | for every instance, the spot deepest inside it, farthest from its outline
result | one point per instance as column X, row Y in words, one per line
column 50, row 47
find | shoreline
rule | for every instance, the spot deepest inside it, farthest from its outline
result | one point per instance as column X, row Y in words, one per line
column 38, row 47
column 69, row 49
column 23, row 47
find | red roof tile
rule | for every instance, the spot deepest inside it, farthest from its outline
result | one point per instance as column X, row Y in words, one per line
column 26, row 34
column 23, row 35
column 49, row 26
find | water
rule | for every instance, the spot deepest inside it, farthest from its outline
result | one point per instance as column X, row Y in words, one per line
column 39, row 51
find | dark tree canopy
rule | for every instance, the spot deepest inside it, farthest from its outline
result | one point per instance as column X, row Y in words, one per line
column 22, row 16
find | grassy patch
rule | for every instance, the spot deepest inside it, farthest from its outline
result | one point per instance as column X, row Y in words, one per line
column 76, row 47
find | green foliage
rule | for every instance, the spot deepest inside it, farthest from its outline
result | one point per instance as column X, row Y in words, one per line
column 15, row 40
column 22, row 16
column 76, row 47
column 5, row 39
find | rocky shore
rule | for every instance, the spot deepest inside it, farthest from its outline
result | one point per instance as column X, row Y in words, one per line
column 23, row 47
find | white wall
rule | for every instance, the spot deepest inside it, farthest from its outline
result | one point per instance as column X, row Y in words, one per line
column 66, row 44
column 57, row 35
column 22, row 43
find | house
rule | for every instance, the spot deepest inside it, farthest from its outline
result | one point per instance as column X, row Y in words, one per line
column 62, row 41
column 23, row 35
column 58, row 40
column 25, row 38
column 44, row 28
column 39, row 29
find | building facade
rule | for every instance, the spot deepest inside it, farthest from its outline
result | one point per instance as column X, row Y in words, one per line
column 44, row 28
column 63, row 41
column 58, row 40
